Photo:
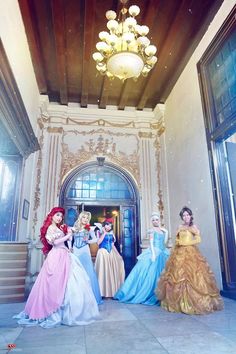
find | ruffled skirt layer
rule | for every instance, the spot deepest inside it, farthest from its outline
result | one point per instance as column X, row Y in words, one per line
column 188, row 284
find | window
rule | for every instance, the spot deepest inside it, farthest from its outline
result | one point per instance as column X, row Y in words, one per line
column 97, row 183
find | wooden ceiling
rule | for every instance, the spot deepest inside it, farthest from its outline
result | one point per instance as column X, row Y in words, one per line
column 62, row 35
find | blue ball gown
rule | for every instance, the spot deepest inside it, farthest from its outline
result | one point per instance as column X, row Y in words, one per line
column 141, row 283
column 82, row 251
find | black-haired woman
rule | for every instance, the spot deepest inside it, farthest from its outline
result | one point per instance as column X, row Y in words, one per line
column 109, row 265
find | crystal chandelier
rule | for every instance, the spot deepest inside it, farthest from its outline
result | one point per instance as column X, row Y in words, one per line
column 125, row 51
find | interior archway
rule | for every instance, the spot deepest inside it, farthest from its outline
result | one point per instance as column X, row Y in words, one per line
column 107, row 191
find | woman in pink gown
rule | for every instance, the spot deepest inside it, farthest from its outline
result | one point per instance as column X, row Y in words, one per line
column 62, row 293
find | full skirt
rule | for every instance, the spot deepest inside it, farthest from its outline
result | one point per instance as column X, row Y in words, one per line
column 84, row 256
column 110, row 271
column 139, row 287
column 79, row 306
column 188, row 284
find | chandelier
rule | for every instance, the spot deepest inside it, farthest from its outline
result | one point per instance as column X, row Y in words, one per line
column 125, row 51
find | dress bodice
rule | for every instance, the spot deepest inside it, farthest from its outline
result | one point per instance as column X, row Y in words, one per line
column 185, row 235
column 187, row 238
column 55, row 234
column 159, row 240
column 81, row 238
column 107, row 242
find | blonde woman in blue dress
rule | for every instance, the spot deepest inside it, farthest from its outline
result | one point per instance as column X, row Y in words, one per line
column 139, row 287
column 83, row 235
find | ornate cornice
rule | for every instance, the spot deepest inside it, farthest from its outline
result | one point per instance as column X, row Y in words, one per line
column 55, row 130
column 101, row 122
column 73, row 114
column 100, row 146
column 146, row 135
column 159, row 127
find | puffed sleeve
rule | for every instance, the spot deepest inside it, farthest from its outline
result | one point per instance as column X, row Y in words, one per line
column 50, row 235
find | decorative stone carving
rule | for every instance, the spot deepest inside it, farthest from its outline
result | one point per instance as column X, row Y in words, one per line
column 159, row 127
column 157, row 146
column 146, row 135
column 100, row 146
column 38, row 181
column 55, row 130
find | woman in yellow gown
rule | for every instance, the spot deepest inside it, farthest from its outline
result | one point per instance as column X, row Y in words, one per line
column 188, row 284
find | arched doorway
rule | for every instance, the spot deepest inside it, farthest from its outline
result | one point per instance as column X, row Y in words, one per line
column 106, row 191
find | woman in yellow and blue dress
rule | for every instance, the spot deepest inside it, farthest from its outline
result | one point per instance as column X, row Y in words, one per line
column 188, row 284
column 109, row 264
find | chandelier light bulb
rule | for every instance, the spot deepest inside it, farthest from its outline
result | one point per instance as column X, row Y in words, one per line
column 143, row 42
column 112, row 39
column 152, row 61
column 144, row 30
column 112, row 25
column 128, row 37
column 97, row 57
column 102, row 46
column 134, row 10
column 130, row 22
column 110, row 15
column 137, row 28
column 103, row 35
column 150, row 50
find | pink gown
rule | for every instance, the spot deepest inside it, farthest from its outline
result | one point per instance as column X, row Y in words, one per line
column 62, row 293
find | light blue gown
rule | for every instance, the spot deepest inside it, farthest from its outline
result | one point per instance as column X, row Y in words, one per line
column 82, row 251
column 141, row 283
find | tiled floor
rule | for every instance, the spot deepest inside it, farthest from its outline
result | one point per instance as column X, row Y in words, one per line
column 126, row 329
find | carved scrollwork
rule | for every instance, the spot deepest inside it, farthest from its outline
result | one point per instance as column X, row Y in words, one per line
column 38, row 180
column 160, row 203
column 100, row 146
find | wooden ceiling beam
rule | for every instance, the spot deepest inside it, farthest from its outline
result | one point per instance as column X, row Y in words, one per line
column 188, row 50
column 104, row 93
column 32, row 32
column 126, row 89
column 89, row 25
column 58, row 17
column 167, row 45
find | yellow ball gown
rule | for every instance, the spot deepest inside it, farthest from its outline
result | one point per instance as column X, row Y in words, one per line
column 188, row 284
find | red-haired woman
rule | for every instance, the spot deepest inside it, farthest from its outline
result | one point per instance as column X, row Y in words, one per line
column 51, row 301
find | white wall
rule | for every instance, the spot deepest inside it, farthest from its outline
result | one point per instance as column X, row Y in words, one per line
column 16, row 47
column 14, row 40
column 188, row 172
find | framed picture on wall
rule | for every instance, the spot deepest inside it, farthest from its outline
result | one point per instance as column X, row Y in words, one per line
column 25, row 211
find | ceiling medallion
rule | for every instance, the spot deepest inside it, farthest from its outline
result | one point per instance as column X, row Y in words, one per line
column 125, row 51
